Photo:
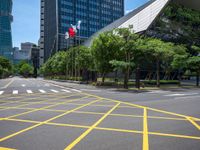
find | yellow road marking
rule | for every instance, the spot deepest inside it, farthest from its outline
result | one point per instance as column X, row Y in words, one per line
column 35, row 102
column 140, row 106
column 145, row 131
column 119, row 130
column 108, row 129
column 37, row 109
column 193, row 122
column 69, row 147
column 175, row 135
column 3, row 148
column 41, row 123
column 125, row 115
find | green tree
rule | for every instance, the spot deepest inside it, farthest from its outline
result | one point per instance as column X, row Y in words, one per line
column 127, row 52
column 179, row 59
column 5, row 67
column 194, row 65
column 26, row 70
column 104, row 49
column 160, row 52
column 84, row 58
column 56, row 65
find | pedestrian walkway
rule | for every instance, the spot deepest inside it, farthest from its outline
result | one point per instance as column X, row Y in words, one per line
column 43, row 91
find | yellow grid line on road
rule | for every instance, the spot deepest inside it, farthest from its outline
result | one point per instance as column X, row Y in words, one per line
column 36, row 103
column 46, row 107
column 39, row 102
column 51, row 119
column 145, row 131
column 106, row 129
column 148, row 108
column 122, row 130
column 134, row 116
column 83, row 135
column 60, row 96
column 193, row 122
column 98, row 113
column 4, row 148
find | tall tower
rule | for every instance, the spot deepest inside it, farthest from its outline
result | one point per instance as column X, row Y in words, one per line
column 5, row 28
column 58, row 15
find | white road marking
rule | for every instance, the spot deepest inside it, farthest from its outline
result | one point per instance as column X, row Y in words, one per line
column 47, row 85
column 181, row 94
column 65, row 91
column 29, row 91
column 54, row 91
column 23, row 85
column 76, row 90
column 42, row 91
column 157, row 91
column 1, row 92
column 90, row 90
column 15, row 92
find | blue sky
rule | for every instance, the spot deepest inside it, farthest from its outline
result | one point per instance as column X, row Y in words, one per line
column 26, row 25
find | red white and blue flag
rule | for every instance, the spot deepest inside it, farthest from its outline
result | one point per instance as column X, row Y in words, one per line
column 73, row 30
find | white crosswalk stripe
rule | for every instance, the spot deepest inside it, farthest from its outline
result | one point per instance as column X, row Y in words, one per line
column 42, row 91
column 29, row 91
column 15, row 92
column 76, row 90
column 65, row 91
column 54, row 91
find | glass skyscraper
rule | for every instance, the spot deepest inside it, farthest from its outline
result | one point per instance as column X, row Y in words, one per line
column 58, row 15
column 5, row 28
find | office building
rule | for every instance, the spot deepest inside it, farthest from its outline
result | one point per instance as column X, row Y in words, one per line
column 58, row 15
column 5, row 29
column 24, row 53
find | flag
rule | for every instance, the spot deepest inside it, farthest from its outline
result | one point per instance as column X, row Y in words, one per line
column 67, row 35
column 74, row 27
column 72, row 32
column 79, row 25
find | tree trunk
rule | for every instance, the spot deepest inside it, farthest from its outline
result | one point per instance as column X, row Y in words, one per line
column 158, row 73
column 103, row 77
column 127, row 71
column 126, row 79
column 179, row 77
column 137, row 78
column 198, row 74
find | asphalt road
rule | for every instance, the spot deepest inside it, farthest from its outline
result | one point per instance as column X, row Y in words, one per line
column 37, row 114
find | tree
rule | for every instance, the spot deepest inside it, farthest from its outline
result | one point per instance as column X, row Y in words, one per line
column 84, row 61
column 179, row 59
column 5, row 67
column 104, row 49
column 128, row 50
column 26, row 70
column 160, row 52
column 194, row 65
column 56, row 65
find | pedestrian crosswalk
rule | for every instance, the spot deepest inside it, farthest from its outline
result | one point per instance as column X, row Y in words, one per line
column 15, row 92
column 42, row 91
column 1, row 92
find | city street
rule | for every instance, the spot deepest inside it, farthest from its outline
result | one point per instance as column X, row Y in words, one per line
column 37, row 114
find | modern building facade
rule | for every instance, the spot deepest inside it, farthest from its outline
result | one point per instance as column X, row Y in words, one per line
column 58, row 15
column 5, row 28
column 142, row 18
